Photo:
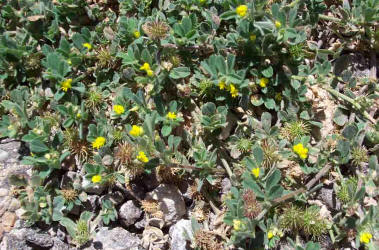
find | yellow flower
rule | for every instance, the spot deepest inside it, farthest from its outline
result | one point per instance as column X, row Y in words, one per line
column 98, row 142
column 171, row 115
column 255, row 172
column 96, row 178
column 69, row 61
column 137, row 34
column 233, row 90
column 270, row 234
column 241, row 10
column 278, row 24
column 87, row 45
column 237, row 224
column 149, row 72
column 263, row 82
column 365, row 237
column 118, row 109
column 142, row 157
column 136, row 131
column 78, row 115
column 253, row 37
column 145, row 67
column 222, row 85
column 300, row 150
column 66, row 84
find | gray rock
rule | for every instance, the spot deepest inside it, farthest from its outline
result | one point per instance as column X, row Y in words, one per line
column 226, row 185
column 107, row 160
column 177, row 234
column 3, row 155
column 141, row 224
column 170, row 202
column 11, row 242
column 3, row 192
column 59, row 245
column 116, row 239
column 61, row 233
column 129, row 213
column 328, row 197
column 69, row 179
column 92, row 203
column 49, row 93
column 14, row 205
column 39, row 239
column 116, row 198
column 88, row 187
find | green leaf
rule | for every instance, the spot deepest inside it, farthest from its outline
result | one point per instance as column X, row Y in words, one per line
column 268, row 72
column 343, row 147
column 37, row 146
column 275, row 192
column 166, row 130
column 273, row 179
column 258, row 155
column 339, row 117
column 179, row 72
column 350, row 131
column 266, row 121
column 248, row 182
column 69, row 225
column 228, row 15
column 208, row 109
column 64, row 156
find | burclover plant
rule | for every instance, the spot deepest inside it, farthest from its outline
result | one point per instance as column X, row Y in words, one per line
column 247, row 102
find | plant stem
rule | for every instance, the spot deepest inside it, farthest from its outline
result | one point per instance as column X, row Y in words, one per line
column 344, row 97
column 352, row 102
column 329, row 18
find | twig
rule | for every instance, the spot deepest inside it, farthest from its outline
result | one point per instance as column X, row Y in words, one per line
column 373, row 64
column 320, row 174
column 189, row 167
column 211, row 203
column 229, row 171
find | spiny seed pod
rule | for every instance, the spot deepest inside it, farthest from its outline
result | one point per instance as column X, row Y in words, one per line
column 294, row 129
column 95, row 99
column 244, row 145
column 194, row 193
column 206, row 240
column 175, row 60
column 69, row 194
column 251, row 206
column 156, row 29
column 359, row 155
column 200, row 212
column 105, row 59
column 124, row 153
column 33, row 62
column 74, row 144
column 149, row 206
column 167, row 175
column 270, row 154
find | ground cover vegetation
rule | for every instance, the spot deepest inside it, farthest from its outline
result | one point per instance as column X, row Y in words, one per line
column 265, row 95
